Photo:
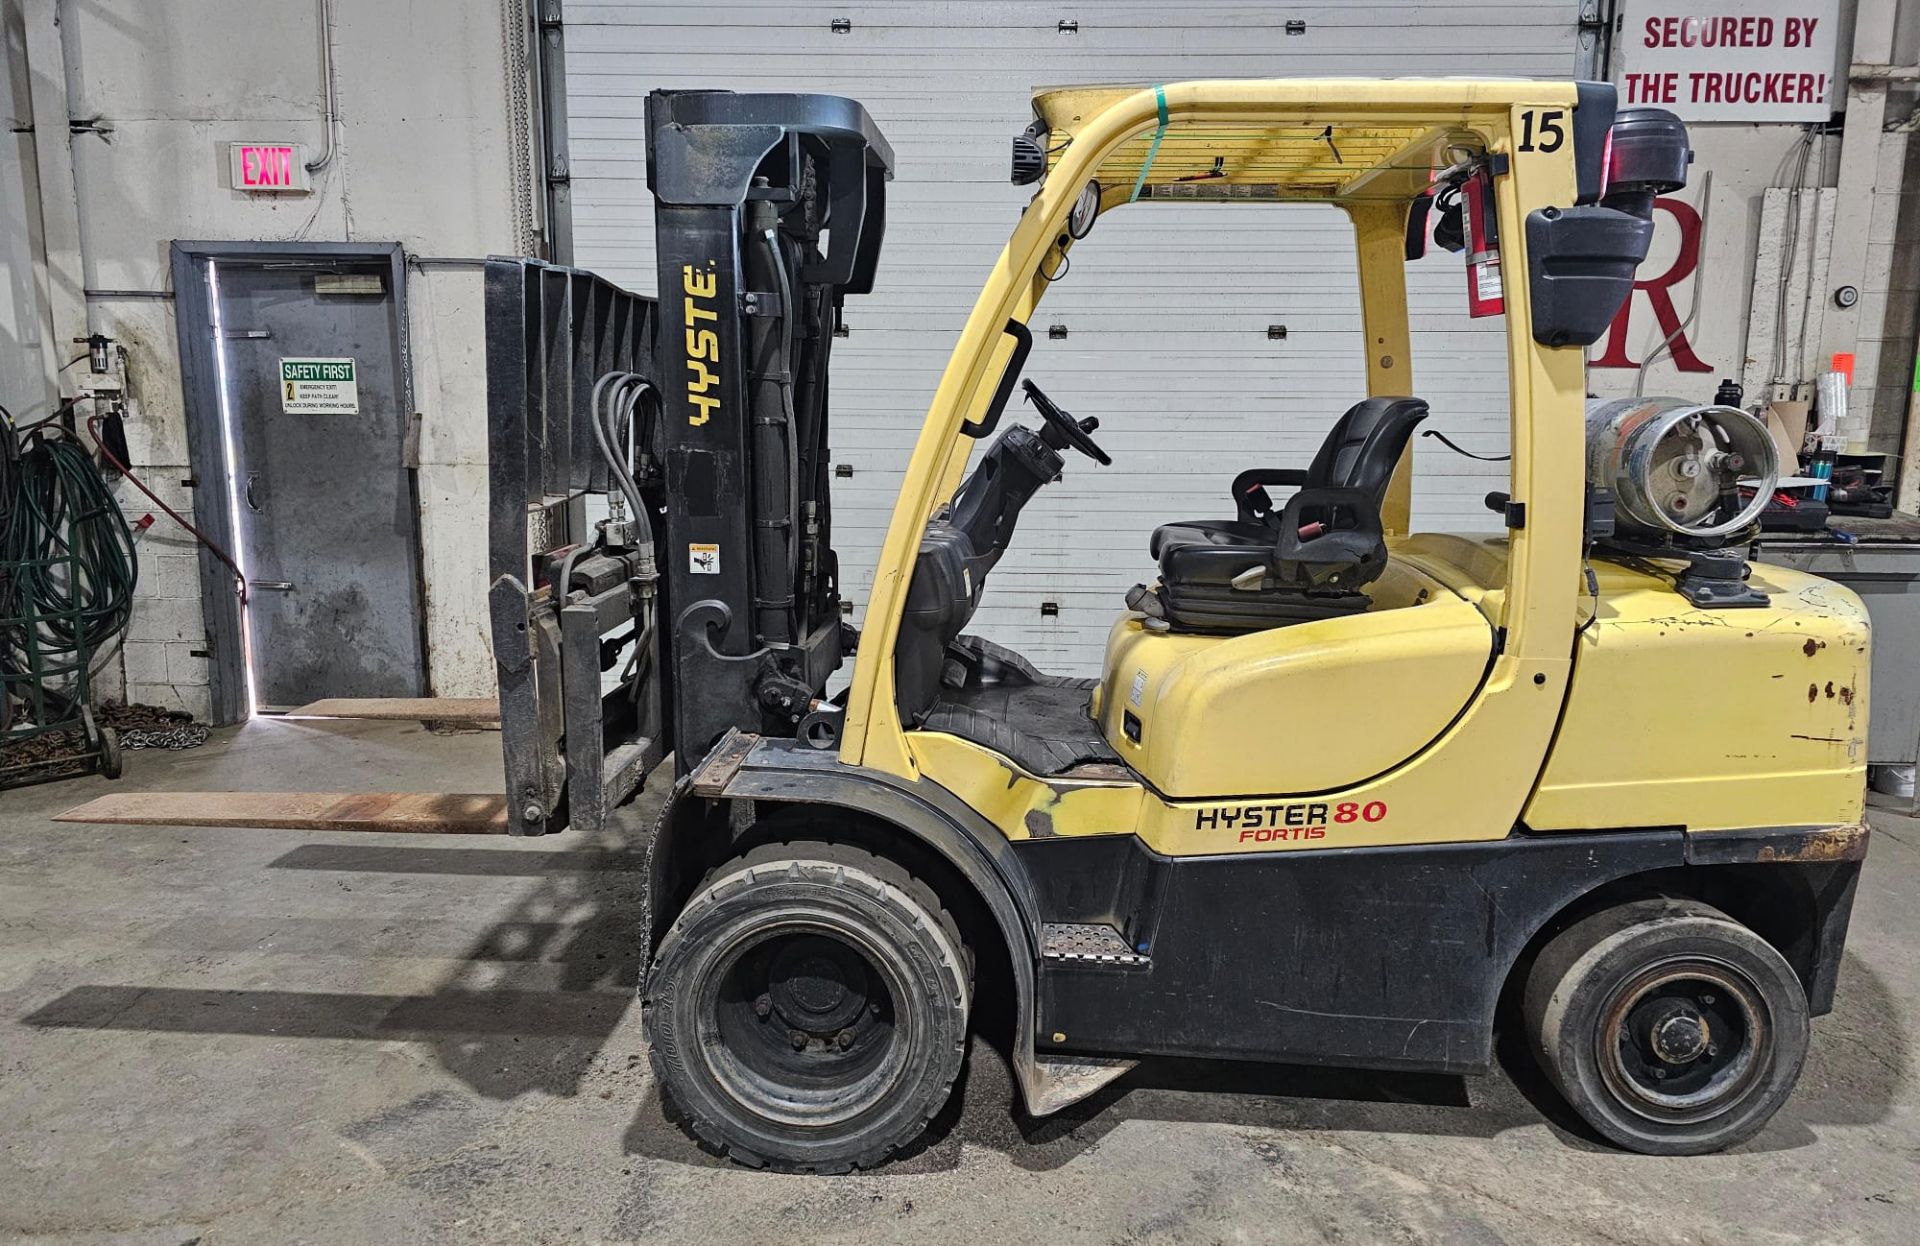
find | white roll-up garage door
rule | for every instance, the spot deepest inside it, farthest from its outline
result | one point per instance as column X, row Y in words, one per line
column 1205, row 337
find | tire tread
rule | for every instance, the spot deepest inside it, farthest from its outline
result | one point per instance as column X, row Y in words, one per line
column 843, row 865
column 1575, row 961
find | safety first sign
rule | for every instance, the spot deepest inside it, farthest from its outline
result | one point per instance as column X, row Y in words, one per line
column 1734, row 60
column 319, row 387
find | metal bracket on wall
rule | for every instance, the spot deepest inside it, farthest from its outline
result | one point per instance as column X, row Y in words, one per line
column 1593, row 52
column 551, row 73
column 410, row 445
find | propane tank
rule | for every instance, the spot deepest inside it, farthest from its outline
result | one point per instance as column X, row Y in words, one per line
column 1675, row 467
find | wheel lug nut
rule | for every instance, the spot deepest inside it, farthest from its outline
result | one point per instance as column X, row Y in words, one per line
column 798, row 1039
column 844, row 1039
column 1661, row 1074
column 1713, row 1049
column 763, row 1006
column 1706, row 999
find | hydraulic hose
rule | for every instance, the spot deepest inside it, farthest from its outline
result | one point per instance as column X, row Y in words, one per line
column 613, row 425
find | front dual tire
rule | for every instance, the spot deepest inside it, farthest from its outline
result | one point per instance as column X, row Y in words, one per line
column 808, row 1009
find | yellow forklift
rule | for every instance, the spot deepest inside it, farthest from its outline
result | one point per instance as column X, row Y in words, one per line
column 1343, row 794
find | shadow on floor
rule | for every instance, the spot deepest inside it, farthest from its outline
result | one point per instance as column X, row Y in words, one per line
column 581, row 915
column 578, row 920
column 480, row 862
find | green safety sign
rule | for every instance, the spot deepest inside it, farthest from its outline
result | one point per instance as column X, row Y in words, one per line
column 319, row 387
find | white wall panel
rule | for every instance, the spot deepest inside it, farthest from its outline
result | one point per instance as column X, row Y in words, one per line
column 1166, row 306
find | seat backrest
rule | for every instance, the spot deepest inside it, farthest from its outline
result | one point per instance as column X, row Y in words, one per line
column 1365, row 445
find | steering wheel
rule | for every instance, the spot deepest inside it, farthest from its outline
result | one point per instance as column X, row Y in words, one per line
column 1074, row 432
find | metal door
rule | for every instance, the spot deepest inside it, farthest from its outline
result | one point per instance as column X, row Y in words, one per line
column 309, row 354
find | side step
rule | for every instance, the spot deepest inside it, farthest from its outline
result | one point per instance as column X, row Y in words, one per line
column 1088, row 944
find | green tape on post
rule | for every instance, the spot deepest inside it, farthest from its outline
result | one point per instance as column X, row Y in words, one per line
column 1159, row 98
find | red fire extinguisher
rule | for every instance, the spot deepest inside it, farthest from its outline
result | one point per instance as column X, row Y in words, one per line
column 1485, row 295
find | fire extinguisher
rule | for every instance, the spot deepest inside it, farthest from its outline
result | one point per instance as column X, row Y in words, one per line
column 1481, row 227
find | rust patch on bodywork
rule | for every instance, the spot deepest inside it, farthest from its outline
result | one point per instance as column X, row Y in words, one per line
column 1813, row 693
column 1812, row 646
column 1846, row 695
column 1039, row 824
column 1834, row 843
column 722, row 762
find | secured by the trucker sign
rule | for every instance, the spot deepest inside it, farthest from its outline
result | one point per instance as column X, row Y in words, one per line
column 1732, row 60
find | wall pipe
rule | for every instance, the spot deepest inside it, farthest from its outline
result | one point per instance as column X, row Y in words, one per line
column 326, row 73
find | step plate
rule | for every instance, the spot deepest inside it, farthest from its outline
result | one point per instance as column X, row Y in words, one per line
column 1087, row 944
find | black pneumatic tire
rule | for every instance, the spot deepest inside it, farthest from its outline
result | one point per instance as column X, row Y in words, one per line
column 821, row 926
column 1613, row 992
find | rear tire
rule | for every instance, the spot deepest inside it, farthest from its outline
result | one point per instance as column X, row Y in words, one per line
column 1668, row 1026
column 808, row 1009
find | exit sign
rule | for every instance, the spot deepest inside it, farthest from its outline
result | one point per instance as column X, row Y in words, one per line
column 269, row 168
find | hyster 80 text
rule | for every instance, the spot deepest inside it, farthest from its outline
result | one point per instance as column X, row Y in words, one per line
column 1264, row 823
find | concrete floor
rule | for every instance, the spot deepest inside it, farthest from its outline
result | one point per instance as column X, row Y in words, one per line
column 247, row 1036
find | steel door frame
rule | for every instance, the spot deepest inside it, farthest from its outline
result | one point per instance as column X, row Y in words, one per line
column 207, row 442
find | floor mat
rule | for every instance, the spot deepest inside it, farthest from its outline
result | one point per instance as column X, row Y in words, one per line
column 1042, row 728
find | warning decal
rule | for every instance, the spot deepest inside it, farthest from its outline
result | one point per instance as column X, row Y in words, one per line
column 319, row 387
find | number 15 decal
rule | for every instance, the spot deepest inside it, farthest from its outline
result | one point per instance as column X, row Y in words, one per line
column 1545, row 126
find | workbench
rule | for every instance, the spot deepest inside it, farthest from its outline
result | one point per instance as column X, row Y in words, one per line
column 1881, row 562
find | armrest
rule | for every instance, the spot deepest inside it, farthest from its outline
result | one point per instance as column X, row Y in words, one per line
column 1251, row 500
column 1329, row 539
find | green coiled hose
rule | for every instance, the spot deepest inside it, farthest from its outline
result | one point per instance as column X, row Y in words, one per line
column 54, row 502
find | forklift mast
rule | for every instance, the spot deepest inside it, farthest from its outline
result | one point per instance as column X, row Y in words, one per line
column 708, row 597
column 769, row 212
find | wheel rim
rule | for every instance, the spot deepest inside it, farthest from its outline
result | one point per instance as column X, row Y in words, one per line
column 800, row 1025
column 1684, row 1040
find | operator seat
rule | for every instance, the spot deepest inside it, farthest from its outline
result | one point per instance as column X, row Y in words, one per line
column 1309, row 561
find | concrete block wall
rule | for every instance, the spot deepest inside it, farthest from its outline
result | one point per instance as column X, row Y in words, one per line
column 1744, row 160
column 1883, row 362
column 158, row 663
column 427, row 146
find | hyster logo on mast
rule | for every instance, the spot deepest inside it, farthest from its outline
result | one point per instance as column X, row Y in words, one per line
column 703, row 345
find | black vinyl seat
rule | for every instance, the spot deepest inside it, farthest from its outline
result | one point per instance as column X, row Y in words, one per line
column 1306, row 561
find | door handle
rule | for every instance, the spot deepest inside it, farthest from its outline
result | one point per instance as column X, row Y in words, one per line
column 272, row 586
column 253, row 478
